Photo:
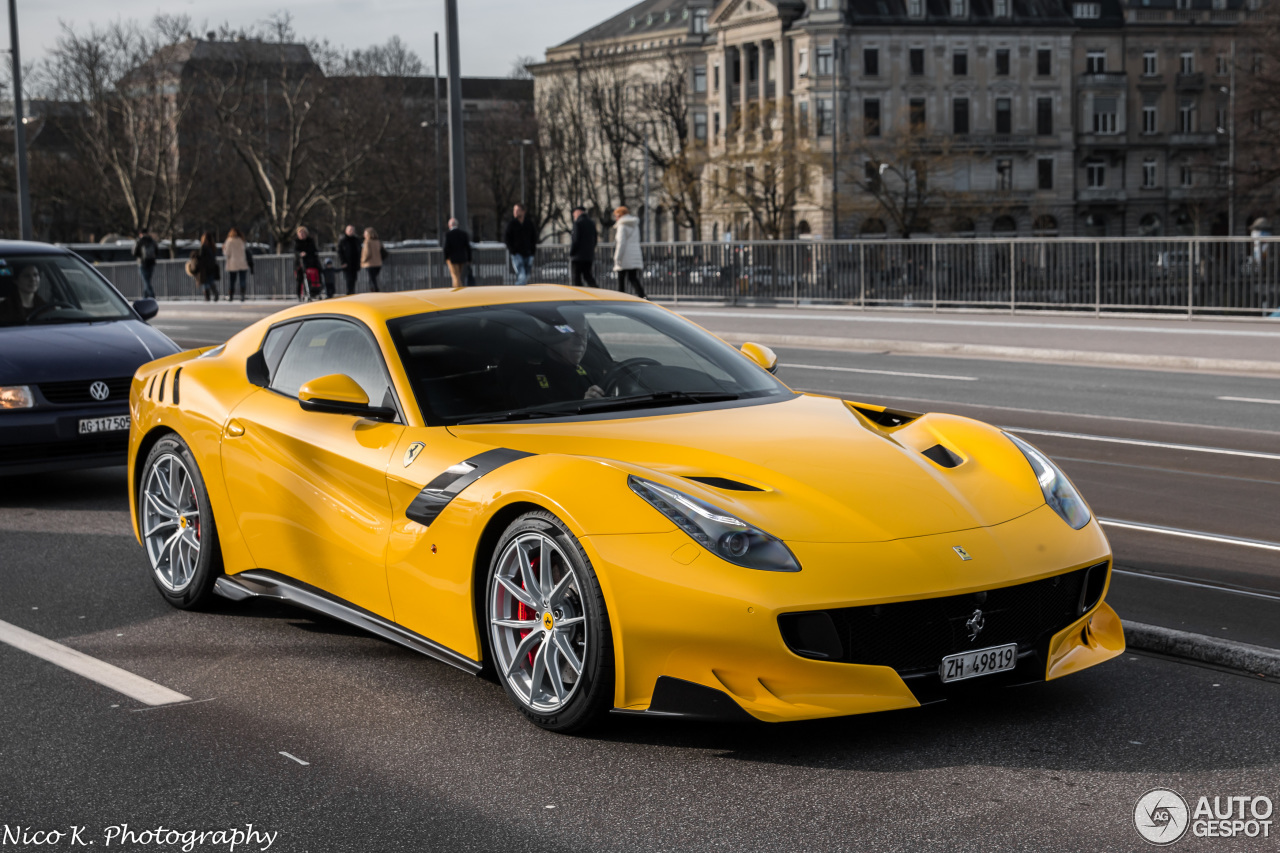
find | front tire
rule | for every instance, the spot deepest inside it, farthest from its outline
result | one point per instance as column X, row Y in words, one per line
column 548, row 626
column 177, row 525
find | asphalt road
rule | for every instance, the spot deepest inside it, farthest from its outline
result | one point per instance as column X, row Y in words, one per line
column 404, row 753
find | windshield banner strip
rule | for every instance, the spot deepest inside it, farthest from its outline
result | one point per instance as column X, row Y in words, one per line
column 438, row 494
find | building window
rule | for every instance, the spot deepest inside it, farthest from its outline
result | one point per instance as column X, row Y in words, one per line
column 1148, row 173
column 916, row 112
column 1149, row 63
column 1223, row 67
column 1004, row 116
column 871, row 117
column 1221, row 124
column 1002, row 62
column 826, row 117
column 1087, row 10
column 1004, row 175
column 871, row 172
column 1187, row 117
column 960, row 63
column 1105, row 119
column 1095, row 62
column 1223, row 174
column 824, row 62
column 802, row 63
column 715, row 121
column 1150, row 121
column 871, row 62
column 1002, row 8
column 960, row 177
column 959, row 8
column 1095, row 174
column 1044, row 173
column 960, row 115
column 915, row 8
column 700, row 79
column 700, row 21
column 1044, row 116
column 916, row 57
column 1044, row 62
column 822, row 5
column 700, row 126
column 803, row 119
column 1187, row 62
column 1185, row 175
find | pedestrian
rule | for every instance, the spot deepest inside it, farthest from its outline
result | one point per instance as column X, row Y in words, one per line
column 457, row 253
column 627, row 260
column 207, row 272
column 144, row 251
column 330, row 277
column 371, row 257
column 239, row 263
column 349, row 258
column 582, row 248
column 306, row 263
column 522, row 242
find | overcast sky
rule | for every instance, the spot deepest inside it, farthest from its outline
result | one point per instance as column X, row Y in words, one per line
column 493, row 32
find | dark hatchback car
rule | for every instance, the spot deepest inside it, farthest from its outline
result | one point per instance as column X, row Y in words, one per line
column 69, row 346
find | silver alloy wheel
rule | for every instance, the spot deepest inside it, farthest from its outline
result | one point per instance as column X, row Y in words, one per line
column 537, row 622
column 170, row 521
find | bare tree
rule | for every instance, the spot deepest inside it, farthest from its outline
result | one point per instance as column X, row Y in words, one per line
column 904, row 172
column 677, row 156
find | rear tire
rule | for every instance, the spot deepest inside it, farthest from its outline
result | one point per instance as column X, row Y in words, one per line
column 548, row 626
column 177, row 525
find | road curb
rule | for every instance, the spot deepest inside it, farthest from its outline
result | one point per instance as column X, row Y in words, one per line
column 1105, row 359
column 1246, row 658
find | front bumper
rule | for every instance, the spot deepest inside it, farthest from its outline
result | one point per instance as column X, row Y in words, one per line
column 679, row 613
column 48, row 439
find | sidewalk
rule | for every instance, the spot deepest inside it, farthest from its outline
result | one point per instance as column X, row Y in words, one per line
column 1222, row 346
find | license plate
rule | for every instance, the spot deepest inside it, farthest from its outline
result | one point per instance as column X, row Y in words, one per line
column 978, row 662
column 111, row 424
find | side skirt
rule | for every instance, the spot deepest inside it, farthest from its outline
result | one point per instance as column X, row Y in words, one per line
column 260, row 583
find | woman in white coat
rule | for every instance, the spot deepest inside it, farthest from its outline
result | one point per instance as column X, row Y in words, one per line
column 627, row 260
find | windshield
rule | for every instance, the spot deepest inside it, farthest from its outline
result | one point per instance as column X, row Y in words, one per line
column 514, row 362
column 37, row 289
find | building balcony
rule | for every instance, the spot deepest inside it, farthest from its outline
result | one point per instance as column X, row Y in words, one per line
column 1191, row 82
column 1103, row 80
column 1100, row 195
column 1150, row 81
column 1195, row 193
column 1102, row 140
column 1193, row 140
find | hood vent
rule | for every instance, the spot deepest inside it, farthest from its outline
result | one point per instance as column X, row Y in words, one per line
column 887, row 418
column 723, row 483
column 942, row 456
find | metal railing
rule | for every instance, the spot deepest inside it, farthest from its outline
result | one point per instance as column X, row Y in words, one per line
column 1187, row 276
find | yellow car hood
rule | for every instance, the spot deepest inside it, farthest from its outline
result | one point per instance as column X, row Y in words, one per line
column 823, row 471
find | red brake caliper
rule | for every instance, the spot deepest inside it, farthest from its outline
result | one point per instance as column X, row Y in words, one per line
column 523, row 611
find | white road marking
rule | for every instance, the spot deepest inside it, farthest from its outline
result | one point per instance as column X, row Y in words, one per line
column 881, row 372
column 119, row 680
column 1195, row 448
column 1216, row 587
column 1250, row 400
column 295, row 758
column 1191, row 534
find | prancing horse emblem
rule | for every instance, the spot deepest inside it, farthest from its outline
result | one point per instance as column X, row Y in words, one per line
column 975, row 624
column 964, row 555
column 412, row 453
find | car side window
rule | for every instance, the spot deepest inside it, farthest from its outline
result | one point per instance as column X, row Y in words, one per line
column 325, row 346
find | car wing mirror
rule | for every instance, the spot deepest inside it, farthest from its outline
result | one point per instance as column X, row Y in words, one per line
column 761, row 355
column 339, row 394
column 146, row 308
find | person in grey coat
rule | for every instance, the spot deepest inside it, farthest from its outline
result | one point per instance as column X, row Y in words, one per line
column 627, row 260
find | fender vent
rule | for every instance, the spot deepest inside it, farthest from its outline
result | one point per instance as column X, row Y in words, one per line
column 942, row 456
column 723, row 483
column 176, row 376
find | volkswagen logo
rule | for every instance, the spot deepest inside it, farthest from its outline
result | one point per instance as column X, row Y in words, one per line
column 99, row 391
column 975, row 624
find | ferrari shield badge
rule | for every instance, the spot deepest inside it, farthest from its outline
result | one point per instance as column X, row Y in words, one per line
column 960, row 551
column 412, row 453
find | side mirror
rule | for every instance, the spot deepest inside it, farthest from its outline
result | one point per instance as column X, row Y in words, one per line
column 339, row 394
column 761, row 355
column 146, row 308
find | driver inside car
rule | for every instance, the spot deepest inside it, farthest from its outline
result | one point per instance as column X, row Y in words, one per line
column 555, row 371
column 28, row 290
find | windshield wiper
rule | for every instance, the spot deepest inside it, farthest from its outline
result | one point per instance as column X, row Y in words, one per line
column 605, row 404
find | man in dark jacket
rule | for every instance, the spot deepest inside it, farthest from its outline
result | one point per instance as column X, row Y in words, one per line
column 145, row 251
column 582, row 248
column 349, row 257
column 522, row 241
column 457, row 253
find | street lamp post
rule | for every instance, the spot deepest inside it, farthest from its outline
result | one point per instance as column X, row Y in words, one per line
column 19, row 129
column 457, row 151
column 522, row 143
column 436, row 150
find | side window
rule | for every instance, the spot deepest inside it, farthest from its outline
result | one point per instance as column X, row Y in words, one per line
column 323, row 347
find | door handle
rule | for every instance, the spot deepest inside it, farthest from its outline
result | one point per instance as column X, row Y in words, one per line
column 235, row 429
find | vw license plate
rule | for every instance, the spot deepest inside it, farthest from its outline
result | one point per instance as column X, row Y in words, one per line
column 978, row 662
column 111, row 424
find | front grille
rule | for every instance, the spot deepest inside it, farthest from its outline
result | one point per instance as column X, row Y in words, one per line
column 73, row 393
column 99, row 446
column 914, row 636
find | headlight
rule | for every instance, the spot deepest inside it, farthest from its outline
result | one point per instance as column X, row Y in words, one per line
column 16, row 397
column 1058, row 491
column 729, row 538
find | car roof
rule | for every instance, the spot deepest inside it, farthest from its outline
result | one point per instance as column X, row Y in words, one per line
column 28, row 247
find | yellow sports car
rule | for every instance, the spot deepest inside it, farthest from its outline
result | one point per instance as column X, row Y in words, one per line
column 608, row 508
